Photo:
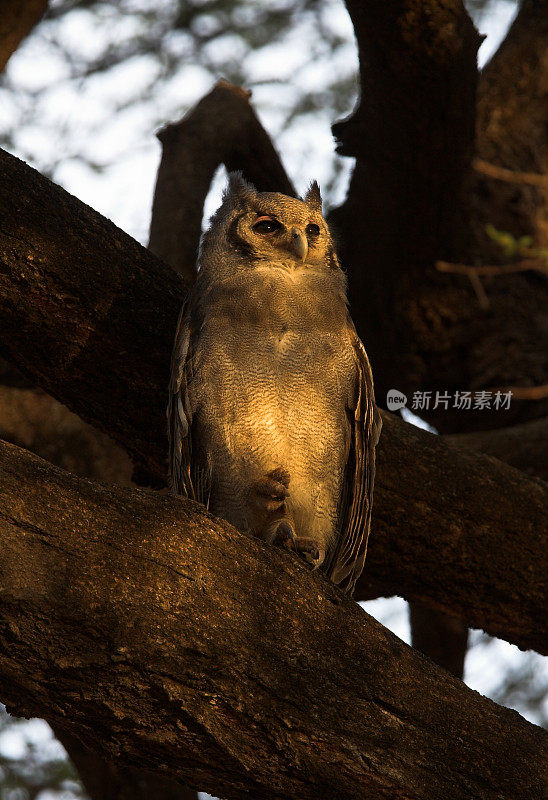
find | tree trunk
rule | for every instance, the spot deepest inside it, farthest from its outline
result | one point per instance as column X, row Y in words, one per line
column 424, row 330
column 176, row 644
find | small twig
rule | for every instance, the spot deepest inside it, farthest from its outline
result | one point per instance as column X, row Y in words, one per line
column 474, row 273
column 479, row 290
column 527, row 264
column 508, row 175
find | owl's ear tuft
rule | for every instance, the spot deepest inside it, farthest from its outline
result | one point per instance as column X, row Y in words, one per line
column 239, row 189
column 313, row 197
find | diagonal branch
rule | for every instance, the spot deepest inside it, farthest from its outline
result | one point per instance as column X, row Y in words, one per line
column 522, row 446
column 178, row 645
column 453, row 529
column 192, row 149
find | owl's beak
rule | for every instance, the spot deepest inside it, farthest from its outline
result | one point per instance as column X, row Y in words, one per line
column 298, row 243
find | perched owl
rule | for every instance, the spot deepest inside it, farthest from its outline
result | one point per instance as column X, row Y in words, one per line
column 272, row 420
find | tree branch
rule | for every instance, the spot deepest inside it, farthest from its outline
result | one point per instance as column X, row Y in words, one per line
column 32, row 419
column 509, row 175
column 424, row 330
column 475, row 521
column 192, row 149
column 452, row 529
column 412, row 136
column 181, row 646
column 16, row 21
column 522, row 446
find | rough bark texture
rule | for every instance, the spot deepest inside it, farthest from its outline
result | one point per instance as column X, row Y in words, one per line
column 412, row 190
column 192, row 149
column 441, row 637
column 34, row 420
column 522, row 446
column 38, row 422
column 105, row 779
column 93, row 309
column 457, row 528
column 17, row 19
column 176, row 644
column 413, row 137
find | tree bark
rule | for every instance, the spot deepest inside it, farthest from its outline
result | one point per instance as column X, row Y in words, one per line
column 446, row 522
column 34, row 420
column 413, row 138
column 522, row 446
column 441, row 637
column 451, row 529
column 104, row 778
column 175, row 644
column 16, row 21
column 94, row 311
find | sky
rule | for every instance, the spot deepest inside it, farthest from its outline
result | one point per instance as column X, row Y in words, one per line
column 60, row 126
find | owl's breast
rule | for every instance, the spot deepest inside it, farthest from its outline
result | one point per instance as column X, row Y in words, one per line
column 278, row 395
column 273, row 391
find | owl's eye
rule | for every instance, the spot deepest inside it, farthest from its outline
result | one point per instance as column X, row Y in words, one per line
column 312, row 229
column 267, row 225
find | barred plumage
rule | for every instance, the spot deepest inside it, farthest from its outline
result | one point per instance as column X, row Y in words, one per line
column 272, row 420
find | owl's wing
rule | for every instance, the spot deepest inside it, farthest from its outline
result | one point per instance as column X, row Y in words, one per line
column 186, row 476
column 345, row 563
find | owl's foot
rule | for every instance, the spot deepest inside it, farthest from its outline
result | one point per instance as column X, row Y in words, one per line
column 285, row 535
column 308, row 548
column 272, row 490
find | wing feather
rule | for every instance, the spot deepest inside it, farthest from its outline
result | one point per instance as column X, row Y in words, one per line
column 186, row 475
column 345, row 563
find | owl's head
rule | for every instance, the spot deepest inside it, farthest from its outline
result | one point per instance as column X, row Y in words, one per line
column 258, row 227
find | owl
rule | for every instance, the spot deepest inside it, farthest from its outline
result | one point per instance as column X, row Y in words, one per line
column 271, row 416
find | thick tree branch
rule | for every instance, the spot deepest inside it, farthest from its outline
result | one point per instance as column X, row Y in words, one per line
column 522, row 446
column 413, row 138
column 34, row 420
column 94, row 310
column 192, row 149
column 452, row 529
column 464, row 517
column 17, row 19
column 178, row 645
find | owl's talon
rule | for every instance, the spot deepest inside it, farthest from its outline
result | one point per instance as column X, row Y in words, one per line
column 310, row 550
column 285, row 536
